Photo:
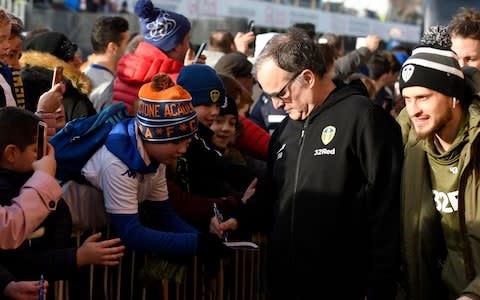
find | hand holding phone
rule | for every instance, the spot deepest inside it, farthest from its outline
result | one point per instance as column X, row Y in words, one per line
column 199, row 51
column 57, row 75
column 41, row 139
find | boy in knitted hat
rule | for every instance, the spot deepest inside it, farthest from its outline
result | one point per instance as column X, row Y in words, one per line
column 225, row 124
column 130, row 170
column 166, row 37
column 207, row 90
column 440, row 188
column 202, row 171
column 203, row 164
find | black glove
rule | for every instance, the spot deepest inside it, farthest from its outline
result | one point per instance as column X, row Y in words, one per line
column 210, row 247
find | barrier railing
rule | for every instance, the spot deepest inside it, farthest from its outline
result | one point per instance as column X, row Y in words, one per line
column 239, row 277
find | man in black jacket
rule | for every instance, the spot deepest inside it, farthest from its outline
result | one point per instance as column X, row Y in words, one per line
column 334, row 169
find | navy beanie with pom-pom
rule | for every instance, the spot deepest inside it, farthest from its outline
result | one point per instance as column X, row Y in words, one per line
column 162, row 28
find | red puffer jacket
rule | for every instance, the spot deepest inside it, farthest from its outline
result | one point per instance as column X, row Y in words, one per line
column 136, row 69
column 253, row 140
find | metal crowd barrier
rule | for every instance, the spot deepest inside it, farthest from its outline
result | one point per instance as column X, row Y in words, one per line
column 239, row 277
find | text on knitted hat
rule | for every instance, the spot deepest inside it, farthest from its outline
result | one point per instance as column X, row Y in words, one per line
column 165, row 112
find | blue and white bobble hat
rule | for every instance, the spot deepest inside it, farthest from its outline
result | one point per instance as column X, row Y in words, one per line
column 162, row 28
column 433, row 68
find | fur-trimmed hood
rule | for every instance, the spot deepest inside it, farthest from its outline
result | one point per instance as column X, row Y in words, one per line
column 79, row 81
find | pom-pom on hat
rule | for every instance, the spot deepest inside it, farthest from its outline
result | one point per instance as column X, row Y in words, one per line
column 162, row 28
column 437, row 36
column 433, row 68
column 165, row 111
column 203, row 83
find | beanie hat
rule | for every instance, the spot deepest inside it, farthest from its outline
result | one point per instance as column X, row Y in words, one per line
column 54, row 43
column 165, row 112
column 203, row 83
column 229, row 107
column 433, row 68
column 235, row 64
column 162, row 28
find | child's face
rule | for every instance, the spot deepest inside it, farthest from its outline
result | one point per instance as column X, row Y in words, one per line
column 4, row 36
column 23, row 160
column 207, row 113
column 12, row 56
column 168, row 152
column 223, row 130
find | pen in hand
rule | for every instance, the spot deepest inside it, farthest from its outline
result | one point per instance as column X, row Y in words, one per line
column 42, row 283
column 219, row 217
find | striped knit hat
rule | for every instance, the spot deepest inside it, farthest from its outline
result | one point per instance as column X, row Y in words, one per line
column 165, row 111
column 433, row 68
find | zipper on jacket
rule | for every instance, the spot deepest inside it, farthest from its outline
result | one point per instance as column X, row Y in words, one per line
column 297, row 171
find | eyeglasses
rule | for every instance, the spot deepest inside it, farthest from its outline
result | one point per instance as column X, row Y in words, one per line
column 280, row 94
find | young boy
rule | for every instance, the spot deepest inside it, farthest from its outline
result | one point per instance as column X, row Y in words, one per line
column 224, row 127
column 19, row 154
column 205, row 169
column 6, row 92
column 130, row 170
column 38, row 195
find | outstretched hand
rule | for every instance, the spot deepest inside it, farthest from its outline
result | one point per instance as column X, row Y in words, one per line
column 50, row 101
column 219, row 229
column 190, row 58
column 242, row 40
column 93, row 252
column 250, row 191
column 24, row 290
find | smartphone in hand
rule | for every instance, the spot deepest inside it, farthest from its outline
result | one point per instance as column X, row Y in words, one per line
column 199, row 51
column 41, row 139
column 57, row 75
column 251, row 26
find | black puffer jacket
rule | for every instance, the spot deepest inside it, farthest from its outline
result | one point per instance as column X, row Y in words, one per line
column 37, row 73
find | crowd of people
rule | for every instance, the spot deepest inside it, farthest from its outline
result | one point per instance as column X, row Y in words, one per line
column 360, row 168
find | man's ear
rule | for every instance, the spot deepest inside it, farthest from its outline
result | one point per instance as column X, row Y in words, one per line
column 8, row 154
column 112, row 47
column 309, row 77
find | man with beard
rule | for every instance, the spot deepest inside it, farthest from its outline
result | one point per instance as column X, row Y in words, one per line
column 440, row 211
